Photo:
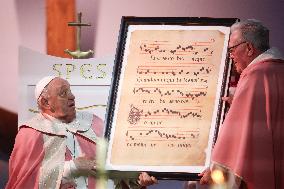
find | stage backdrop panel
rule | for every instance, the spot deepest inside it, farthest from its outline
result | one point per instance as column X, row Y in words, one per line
column 89, row 79
column 165, row 105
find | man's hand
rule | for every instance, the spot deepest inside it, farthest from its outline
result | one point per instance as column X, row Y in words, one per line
column 146, row 180
column 228, row 99
column 85, row 165
column 206, row 177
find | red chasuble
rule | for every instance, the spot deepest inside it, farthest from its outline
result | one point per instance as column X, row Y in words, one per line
column 251, row 140
column 38, row 157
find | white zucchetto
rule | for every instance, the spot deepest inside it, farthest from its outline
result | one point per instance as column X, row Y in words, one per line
column 42, row 84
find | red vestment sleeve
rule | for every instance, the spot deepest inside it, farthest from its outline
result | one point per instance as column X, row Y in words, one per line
column 251, row 140
column 25, row 160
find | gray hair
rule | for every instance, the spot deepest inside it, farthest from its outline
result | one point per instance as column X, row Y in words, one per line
column 44, row 94
column 254, row 32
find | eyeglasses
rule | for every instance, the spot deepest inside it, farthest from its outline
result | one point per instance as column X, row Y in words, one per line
column 233, row 48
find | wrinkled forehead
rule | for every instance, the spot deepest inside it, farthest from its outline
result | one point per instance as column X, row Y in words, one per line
column 58, row 84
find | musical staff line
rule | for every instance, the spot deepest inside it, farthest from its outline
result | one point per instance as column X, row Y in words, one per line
column 188, row 94
column 163, row 70
column 155, row 48
column 136, row 113
column 155, row 134
column 171, row 112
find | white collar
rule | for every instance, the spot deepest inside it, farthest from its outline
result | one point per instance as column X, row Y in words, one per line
column 48, row 124
column 272, row 53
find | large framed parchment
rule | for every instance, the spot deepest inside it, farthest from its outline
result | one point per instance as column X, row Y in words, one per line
column 165, row 105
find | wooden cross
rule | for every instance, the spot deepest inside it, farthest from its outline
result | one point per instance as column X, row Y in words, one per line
column 78, row 54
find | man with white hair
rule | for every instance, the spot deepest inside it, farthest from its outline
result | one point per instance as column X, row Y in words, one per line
column 57, row 147
column 250, row 144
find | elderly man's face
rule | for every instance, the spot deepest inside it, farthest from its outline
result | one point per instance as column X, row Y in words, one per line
column 237, row 50
column 61, row 100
